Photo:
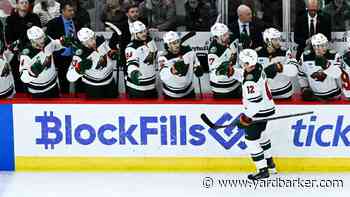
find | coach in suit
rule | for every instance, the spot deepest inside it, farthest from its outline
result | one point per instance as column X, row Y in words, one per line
column 57, row 28
column 313, row 21
column 247, row 29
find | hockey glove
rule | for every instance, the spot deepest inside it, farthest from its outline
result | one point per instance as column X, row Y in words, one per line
column 47, row 62
column 83, row 65
column 319, row 76
column 307, row 94
column 66, row 41
column 223, row 68
column 14, row 47
column 181, row 68
column 150, row 58
column 279, row 67
column 37, row 68
column 322, row 62
column 102, row 63
column 245, row 121
column 113, row 54
column 198, row 71
column 134, row 76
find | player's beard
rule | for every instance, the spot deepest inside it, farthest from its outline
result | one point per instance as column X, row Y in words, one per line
column 175, row 49
column 39, row 44
column 320, row 52
column 249, row 68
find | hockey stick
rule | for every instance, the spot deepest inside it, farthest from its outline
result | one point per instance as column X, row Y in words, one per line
column 200, row 87
column 114, row 28
column 187, row 36
column 206, row 120
column 218, row 18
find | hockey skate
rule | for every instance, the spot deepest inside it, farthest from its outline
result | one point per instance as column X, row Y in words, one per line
column 262, row 174
column 271, row 166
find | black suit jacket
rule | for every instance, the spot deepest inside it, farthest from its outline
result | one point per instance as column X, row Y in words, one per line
column 256, row 27
column 55, row 29
column 301, row 32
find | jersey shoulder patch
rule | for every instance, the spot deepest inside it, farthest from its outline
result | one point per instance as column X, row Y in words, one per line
column 330, row 55
column 25, row 51
column 308, row 55
column 213, row 50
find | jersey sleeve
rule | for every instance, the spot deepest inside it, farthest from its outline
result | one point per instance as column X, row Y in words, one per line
column 25, row 69
column 165, row 69
column 302, row 77
column 290, row 65
column 333, row 69
column 132, row 60
column 72, row 74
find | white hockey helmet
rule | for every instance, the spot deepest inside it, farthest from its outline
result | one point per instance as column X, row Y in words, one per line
column 219, row 29
column 34, row 33
column 137, row 27
column 171, row 36
column 271, row 33
column 319, row 40
column 85, row 34
column 248, row 56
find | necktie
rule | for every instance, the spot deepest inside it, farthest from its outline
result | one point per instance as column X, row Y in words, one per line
column 71, row 31
column 312, row 27
column 245, row 29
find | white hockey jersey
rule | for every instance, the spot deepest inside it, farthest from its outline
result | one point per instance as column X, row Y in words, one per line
column 345, row 76
column 47, row 78
column 218, row 55
column 177, row 86
column 257, row 97
column 280, row 83
column 141, row 56
column 7, row 85
column 328, row 88
column 101, row 71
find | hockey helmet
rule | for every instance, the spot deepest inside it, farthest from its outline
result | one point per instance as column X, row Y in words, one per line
column 319, row 40
column 248, row 56
column 171, row 36
column 271, row 33
column 85, row 34
column 34, row 33
column 219, row 29
column 137, row 27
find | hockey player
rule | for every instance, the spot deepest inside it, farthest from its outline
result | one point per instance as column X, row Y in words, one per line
column 257, row 102
column 93, row 62
column 320, row 72
column 222, row 58
column 37, row 67
column 140, row 61
column 7, row 84
column 278, row 64
column 177, row 67
column 345, row 68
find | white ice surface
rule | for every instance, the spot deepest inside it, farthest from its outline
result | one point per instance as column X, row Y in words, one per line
column 33, row 184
